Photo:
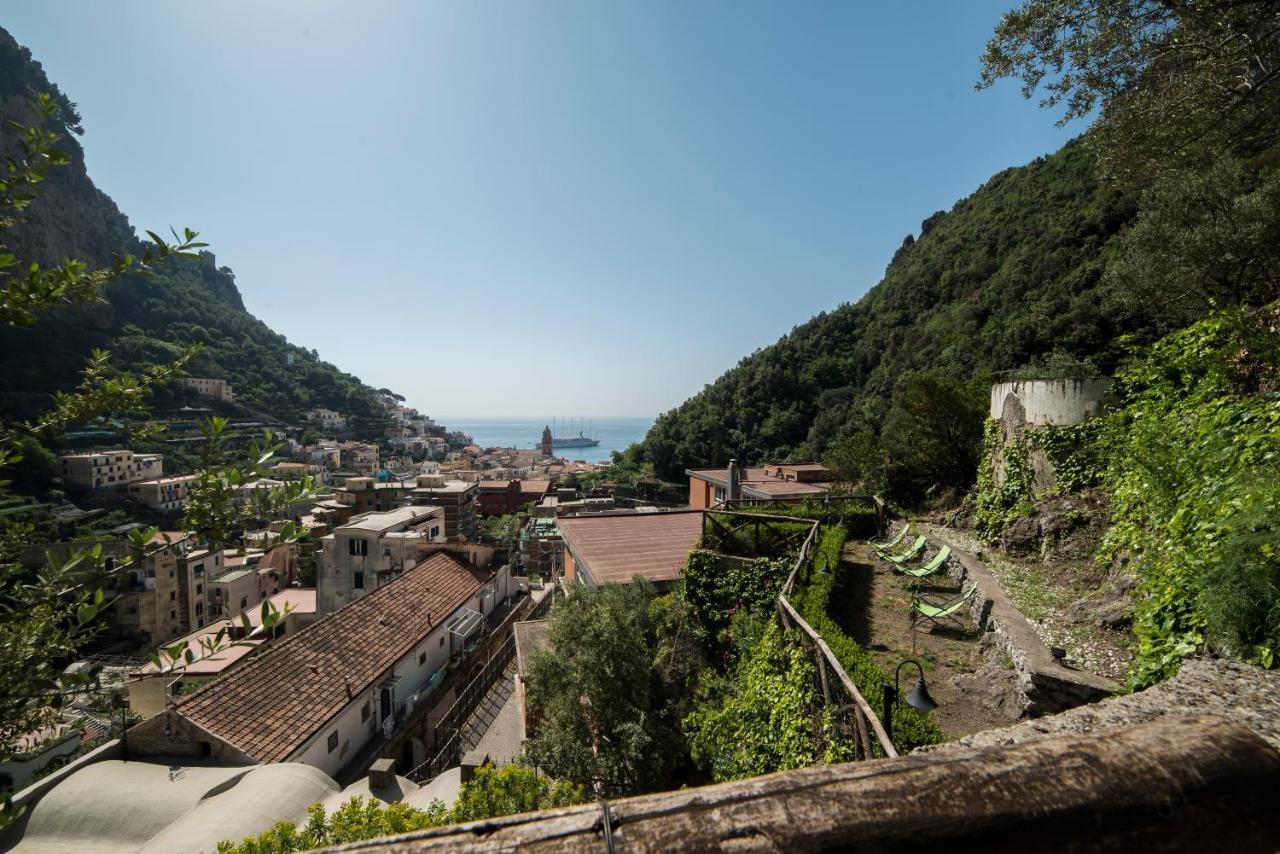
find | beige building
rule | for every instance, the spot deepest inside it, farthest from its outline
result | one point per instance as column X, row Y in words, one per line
column 327, row 418
column 206, row 387
column 149, row 601
column 371, row 550
column 151, row 690
column 167, row 494
column 110, row 469
column 194, row 572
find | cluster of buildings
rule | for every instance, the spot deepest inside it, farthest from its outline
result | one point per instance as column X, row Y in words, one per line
column 405, row 609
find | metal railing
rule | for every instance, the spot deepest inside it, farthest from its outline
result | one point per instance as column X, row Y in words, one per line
column 447, row 733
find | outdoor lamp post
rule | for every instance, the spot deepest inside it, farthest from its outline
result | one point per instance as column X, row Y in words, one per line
column 918, row 698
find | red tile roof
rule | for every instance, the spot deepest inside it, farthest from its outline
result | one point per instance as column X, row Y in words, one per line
column 271, row 706
column 613, row 548
column 535, row 487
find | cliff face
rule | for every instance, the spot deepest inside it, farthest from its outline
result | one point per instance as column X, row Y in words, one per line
column 144, row 320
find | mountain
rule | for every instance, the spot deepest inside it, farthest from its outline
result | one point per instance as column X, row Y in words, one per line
column 145, row 320
column 1010, row 275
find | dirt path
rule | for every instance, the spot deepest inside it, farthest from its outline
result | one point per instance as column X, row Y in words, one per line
column 873, row 605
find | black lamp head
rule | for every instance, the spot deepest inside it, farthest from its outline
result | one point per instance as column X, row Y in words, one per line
column 919, row 697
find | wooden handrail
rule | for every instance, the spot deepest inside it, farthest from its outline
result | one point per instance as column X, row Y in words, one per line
column 886, row 744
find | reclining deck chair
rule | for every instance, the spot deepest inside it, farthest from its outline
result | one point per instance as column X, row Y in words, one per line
column 939, row 615
column 910, row 554
column 935, row 563
column 893, row 541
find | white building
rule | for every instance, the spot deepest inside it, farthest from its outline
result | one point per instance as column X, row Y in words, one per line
column 323, row 695
column 327, row 418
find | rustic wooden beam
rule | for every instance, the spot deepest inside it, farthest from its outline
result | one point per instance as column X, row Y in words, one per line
column 1178, row 784
column 863, row 706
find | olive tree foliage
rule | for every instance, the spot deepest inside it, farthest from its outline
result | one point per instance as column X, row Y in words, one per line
column 1168, row 79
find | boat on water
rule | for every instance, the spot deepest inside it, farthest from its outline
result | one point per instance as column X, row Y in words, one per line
column 579, row 441
column 550, row 441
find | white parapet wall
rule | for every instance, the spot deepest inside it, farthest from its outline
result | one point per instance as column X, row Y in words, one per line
column 1058, row 402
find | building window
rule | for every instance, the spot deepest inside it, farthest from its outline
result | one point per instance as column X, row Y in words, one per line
column 359, row 548
column 364, row 712
column 173, row 615
column 359, row 581
column 422, row 658
column 199, row 588
column 333, row 741
column 244, row 602
column 200, row 609
column 442, row 640
column 173, row 595
column 198, row 570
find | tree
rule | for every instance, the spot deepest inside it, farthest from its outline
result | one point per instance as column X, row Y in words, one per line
column 1174, row 82
column 600, row 721
column 932, row 437
column 1209, row 237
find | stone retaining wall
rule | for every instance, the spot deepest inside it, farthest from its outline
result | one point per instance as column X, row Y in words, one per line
column 1232, row 689
column 1046, row 685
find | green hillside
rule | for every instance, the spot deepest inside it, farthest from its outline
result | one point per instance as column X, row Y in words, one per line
column 145, row 320
column 1009, row 275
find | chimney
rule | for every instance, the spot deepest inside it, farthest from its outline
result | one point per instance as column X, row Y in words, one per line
column 733, row 492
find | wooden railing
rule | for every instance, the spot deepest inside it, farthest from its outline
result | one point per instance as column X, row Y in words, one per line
column 869, row 737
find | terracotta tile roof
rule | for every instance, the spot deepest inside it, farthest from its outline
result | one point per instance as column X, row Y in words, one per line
column 277, row 558
column 272, row 705
column 500, row 485
column 613, row 548
column 535, row 487
column 772, row 486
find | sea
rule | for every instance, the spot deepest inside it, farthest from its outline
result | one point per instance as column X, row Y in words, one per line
column 614, row 434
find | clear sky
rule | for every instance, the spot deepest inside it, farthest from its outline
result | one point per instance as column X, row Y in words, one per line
column 537, row 208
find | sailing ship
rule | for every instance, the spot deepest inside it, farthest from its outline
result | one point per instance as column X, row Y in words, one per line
column 582, row 440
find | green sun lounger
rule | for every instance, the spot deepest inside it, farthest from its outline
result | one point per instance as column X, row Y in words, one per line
column 923, row 611
column 885, row 546
column 910, row 554
column 935, row 563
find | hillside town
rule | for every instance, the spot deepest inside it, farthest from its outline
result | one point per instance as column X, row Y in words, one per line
column 983, row 555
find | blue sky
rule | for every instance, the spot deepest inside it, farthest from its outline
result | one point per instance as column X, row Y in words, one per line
column 531, row 208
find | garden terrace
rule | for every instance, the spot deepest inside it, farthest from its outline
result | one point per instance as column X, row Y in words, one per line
column 729, row 538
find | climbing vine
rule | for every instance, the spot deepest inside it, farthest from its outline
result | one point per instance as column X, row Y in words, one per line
column 772, row 718
column 1000, row 502
column 1077, row 453
column 1194, row 481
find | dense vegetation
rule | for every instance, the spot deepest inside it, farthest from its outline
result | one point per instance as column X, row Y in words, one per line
column 143, row 320
column 1194, row 481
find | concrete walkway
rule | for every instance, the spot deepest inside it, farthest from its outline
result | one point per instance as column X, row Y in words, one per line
column 501, row 741
column 493, row 729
